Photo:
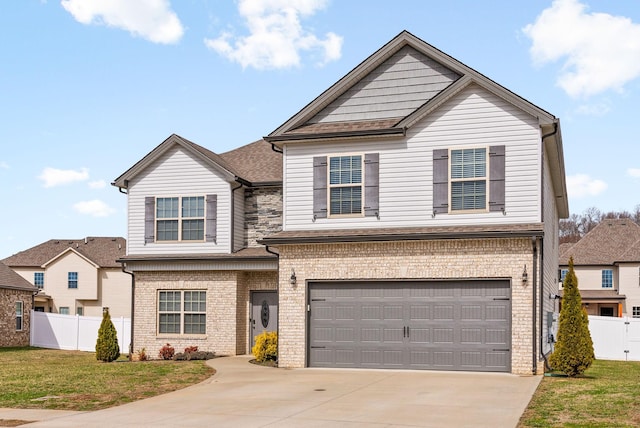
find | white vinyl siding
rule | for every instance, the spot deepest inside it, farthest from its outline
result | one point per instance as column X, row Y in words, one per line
column 472, row 118
column 177, row 174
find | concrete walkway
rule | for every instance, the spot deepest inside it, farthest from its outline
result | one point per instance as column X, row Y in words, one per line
column 241, row 394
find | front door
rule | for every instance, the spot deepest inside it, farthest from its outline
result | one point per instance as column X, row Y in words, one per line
column 264, row 313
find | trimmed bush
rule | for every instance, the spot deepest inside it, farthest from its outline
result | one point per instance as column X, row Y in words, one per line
column 266, row 347
column 107, row 348
column 574, row 350
column 195, row 355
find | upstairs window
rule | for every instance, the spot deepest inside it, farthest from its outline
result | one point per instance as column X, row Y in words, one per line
column 38, row 279
column 72, row 279
column 563, row 273
column 180, row 218
column 469, row 179
column 607, row 278
column 345, row 185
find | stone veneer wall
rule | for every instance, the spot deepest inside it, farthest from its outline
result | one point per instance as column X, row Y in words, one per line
column 262, row 213
column 9, row 336
column 441, row 259
column 228, row 295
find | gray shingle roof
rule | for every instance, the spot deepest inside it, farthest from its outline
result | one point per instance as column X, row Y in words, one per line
column 103, row 251
column 613, row 240
column 10, row 279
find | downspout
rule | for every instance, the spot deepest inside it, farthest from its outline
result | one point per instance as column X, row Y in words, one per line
column 133, row 305
column 534, row 243
column 233, row 214
column 275, row 149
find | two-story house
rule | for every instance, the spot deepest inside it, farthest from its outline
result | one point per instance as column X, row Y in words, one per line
column 607, row 264
column 76, row 276
column 194, row 216
column 16, row 299
column 420, row 220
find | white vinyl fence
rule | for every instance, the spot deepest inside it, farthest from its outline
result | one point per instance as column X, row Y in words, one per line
column 74, row 332
column 615, row 338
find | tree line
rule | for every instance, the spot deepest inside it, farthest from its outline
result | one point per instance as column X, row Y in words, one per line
column 572, row 229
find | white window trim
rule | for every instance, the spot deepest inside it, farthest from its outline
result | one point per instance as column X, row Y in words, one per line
column 330, row 186
column 21, row 316
column 486, row 180
column 182, row 313
column 180, row 219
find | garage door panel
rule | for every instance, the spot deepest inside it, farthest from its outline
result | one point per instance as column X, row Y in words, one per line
column 462, row 325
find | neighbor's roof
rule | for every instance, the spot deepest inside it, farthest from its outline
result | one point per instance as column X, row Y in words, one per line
column 10, row 279
column 102, row 251
column 255, row 163
column 611, row 241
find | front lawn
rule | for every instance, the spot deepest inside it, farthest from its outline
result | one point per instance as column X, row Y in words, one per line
column 73, row 380
column 607, row 395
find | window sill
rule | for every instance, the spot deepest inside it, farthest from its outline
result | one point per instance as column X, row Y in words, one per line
column 177, row 336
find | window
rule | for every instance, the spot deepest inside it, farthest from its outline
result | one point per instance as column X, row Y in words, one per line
column 345, row 185
column 178, row 219
column 469, row 179
column 72, row 279
column 563, row 273
column 80, row 310
column 636, row 312
column 38, row 279
column 182, row 312
column 64, row 310
column 19, row 311
column 607, row 278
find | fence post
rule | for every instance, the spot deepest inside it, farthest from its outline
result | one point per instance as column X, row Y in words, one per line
column 77, row 332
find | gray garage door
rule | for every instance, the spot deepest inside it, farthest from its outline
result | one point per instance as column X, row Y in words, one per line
column 411, row 325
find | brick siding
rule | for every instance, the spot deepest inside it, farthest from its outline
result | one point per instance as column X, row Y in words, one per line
column 442, row 259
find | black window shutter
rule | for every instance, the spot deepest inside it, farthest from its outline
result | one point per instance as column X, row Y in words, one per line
column 211, row 218
column 371, row 184
column 441, row 181
column 149, row 219
column 496, row 178
column 320, row 187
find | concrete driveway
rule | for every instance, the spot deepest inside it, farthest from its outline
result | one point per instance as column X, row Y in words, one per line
column 241, row 394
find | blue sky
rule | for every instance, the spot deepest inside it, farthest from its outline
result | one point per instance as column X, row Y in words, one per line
column 89, row 87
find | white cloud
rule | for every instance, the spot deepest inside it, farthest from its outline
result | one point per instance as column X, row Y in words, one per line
column 633, row 172
column 56, row 177
column 599, row 109
column 599, row 51
column 4, row 165
column 581, row 185
column 98, row 184
column 95, row 208
column 276, row 36
column 150, row 19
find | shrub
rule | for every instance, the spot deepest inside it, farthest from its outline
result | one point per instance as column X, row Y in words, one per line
column 196, row 355
column 266, row 347
column 167, row 352
column 107, row 348
column 190, row 349
column 574, row 349
column 142, row 355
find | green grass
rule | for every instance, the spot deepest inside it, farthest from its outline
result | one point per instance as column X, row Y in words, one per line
column 75, row 380
column 606, row 395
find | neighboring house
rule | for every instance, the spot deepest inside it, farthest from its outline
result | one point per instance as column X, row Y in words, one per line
column 194, row 218
column 607, row 264
column 421, row 208
column 16, row 298
column 77, row 276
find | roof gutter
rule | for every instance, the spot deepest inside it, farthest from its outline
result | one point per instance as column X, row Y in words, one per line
column 401, row 132
column 398, row 237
